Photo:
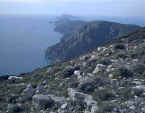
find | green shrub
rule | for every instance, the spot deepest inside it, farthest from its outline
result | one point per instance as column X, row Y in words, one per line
column 139, row 68
column 122, row 55
column 104, row 94
column 105, row 61
column 126, row 93
column 139, row 52
column 124, row 72
column 134, row 55
column 107, row 108
column 119, row 46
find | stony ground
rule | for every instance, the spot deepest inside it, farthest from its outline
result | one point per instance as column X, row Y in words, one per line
column 110, row 79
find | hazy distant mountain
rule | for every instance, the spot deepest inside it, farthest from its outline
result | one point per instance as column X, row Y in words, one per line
column 67, row 17
column 86, row 38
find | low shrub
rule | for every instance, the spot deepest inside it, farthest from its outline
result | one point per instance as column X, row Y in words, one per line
column 119, row 46
column 139, row 68
column 105, row 61
column 122, row 55
column 104, row 95
column 124, row 72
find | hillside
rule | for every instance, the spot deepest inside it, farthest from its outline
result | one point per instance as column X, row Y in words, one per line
column 66, row 26
column 86, row 38
column 110, row 79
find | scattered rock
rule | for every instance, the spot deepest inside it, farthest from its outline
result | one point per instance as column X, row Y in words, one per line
column 99, row 68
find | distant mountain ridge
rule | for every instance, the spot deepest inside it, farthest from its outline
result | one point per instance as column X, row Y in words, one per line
column 85, row 37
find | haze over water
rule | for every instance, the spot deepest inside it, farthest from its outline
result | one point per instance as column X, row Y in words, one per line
column 23, row 41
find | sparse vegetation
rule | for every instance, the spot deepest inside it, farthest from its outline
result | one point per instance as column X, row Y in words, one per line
column 104, row 95
column 124, row 72
column 119, row 46
column 105, row 61
column 139, row 68
column 99, row 83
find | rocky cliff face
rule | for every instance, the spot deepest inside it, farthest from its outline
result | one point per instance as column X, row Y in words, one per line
column 86, row 38
column 110, row 79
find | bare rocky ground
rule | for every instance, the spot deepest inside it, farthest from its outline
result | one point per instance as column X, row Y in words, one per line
column 110, row 79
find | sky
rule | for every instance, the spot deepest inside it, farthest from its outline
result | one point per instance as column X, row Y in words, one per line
column 121, row 8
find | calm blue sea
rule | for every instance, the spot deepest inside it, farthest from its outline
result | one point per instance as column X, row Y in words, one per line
column 23, row 42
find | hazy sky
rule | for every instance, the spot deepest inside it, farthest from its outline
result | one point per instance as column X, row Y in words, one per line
column 123, row 8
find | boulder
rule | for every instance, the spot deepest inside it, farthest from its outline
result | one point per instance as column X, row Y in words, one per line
column 138, row 90
column 82, row 98
column 77, row 73
column 69, row 71
column 93, row 58
column 110, row 75
column 94, row 109
column 43, row 101
column 99, row 68
column 45, row 82
column 57, row 99
column 79, row 96
column 40, row 89
column 49, row 70
column 109, row 68
column 85, row 57
column 28, row 92
column 63, row 106
column 137, row 82
column 15, row 78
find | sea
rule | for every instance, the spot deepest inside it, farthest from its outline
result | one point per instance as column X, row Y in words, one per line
column 23, row 43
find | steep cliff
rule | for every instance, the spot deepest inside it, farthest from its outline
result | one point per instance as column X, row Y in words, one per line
column 86, row 38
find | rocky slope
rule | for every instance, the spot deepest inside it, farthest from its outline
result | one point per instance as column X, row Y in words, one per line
column 110, row 79
column 85, row 38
